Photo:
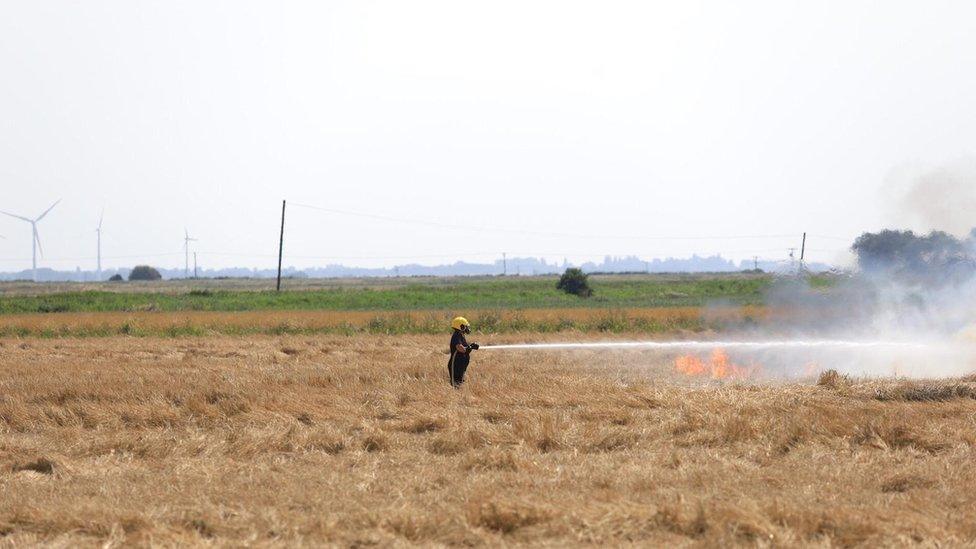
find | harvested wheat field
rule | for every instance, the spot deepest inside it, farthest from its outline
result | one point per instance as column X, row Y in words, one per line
column 359, row 440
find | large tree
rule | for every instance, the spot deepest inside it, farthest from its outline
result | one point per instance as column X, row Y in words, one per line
column 935, row 256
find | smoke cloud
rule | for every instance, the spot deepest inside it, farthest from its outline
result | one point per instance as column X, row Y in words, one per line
column 908, row 287
column 913, row 282
column 933, row 199
column 908, row 309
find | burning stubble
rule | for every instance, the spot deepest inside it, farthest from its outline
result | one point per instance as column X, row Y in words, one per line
column 783, row 359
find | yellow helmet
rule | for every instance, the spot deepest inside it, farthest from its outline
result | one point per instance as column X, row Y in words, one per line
column 460, row 323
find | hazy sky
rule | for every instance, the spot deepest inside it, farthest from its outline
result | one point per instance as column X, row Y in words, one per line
column 580, row 128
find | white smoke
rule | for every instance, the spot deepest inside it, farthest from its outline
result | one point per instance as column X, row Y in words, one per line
column 941, row 198
column 925, row 297
column 915, row 319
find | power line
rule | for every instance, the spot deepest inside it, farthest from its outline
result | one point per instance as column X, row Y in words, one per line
column 92, row 257
column 485, row 228
column 828, row 237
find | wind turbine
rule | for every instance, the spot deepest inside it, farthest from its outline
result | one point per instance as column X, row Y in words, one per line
column 186, row 249
column 98, row 231
column 35, row 238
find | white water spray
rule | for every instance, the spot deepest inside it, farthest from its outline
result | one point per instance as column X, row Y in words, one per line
column 700, row 345
column 795, row 358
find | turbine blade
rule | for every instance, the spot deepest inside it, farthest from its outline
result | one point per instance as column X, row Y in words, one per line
column 15, row 215
column 40, row 217
column 100, row 219
column 38, row 238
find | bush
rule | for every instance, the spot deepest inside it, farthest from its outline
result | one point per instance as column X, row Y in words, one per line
column 575, row 281
column 116, row 278
column 144, row 272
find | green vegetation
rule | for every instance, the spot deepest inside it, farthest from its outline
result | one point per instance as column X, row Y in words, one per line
column 611, row 292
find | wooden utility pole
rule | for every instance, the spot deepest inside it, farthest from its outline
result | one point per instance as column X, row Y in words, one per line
column 803, row 248
column 281, row 245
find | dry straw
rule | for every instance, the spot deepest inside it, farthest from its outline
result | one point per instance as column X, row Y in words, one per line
column 360, row 440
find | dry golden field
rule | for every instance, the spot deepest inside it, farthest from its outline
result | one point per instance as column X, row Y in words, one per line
column 249, row 322
column 359, row 440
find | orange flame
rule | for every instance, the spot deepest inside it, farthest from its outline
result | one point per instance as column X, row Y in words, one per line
column 719, row 366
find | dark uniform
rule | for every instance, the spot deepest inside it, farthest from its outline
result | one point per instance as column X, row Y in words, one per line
column 459, row 361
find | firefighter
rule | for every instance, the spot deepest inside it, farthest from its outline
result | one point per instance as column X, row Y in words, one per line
column 460, row 350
